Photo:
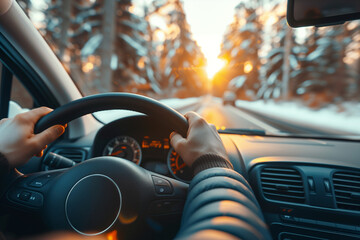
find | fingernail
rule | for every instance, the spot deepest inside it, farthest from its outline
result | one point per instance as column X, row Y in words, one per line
column 40, row 154
column 172, row 134
column 60, row 129
column 65, row 126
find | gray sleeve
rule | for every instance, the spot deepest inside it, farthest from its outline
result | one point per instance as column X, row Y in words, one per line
column 221, row 205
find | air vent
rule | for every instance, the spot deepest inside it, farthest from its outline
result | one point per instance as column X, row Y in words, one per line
column 77, row 155
column 347, row 190
column 282, row 184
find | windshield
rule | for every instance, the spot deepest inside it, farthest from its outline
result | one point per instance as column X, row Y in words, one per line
column 237, row 63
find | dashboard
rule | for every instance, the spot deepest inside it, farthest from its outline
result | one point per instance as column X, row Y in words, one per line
column 307, row 188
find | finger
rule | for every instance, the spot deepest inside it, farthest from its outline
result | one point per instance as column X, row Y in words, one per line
column 35, row 114
column 190, row 116
column 172, row 134
column 49, row 135
column 212, row 126
column 176, row 140
column 194, row 119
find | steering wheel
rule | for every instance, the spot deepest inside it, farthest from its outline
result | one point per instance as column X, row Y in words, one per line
column 103, row 193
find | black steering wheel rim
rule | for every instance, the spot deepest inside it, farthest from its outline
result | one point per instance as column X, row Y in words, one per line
column 70, row 197
column 107, row 101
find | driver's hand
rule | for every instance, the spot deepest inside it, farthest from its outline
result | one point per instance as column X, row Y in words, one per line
column 202, row 138
column 18, row 143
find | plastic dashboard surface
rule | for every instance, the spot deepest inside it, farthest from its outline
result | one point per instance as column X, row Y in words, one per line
column 307, row 188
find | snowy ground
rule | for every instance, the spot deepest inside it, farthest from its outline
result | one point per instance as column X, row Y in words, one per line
column 329, row 118
column 111, row 115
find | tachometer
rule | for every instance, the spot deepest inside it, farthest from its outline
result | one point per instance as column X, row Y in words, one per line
column 124, row 147
column 178, row 168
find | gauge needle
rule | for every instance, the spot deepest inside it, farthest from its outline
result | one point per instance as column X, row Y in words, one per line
column 116, row 153
column 181, row 166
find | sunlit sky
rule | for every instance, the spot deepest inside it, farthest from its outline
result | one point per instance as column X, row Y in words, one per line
column 208, row 20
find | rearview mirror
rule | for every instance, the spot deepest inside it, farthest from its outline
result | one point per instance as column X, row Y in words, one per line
column 301, row 13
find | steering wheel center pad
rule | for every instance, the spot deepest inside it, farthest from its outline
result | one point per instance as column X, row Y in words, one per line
column 101, row 208
column 107, row 101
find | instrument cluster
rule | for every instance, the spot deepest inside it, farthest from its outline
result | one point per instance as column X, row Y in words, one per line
column 146, row 146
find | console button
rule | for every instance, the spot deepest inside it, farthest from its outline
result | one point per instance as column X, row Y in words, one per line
column 166, row 207
column 28, row 198
column 36, row 199
column 160, row 181
column 163, row 189
column 162, row 186
column 25, row 196
column 40, row 181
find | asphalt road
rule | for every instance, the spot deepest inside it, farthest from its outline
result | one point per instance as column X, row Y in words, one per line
column 226, row 116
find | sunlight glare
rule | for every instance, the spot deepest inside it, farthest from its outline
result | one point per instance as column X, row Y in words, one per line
column 248, row 67
column 88, row 67
column 214, row 65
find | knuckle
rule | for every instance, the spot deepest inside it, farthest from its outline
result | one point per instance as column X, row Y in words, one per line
column 20, row 118
column 35, row 145
column 200, row 121
column 180, row 145
column 45, row 109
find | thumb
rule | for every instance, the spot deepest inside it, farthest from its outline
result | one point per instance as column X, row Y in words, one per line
column 49, row 135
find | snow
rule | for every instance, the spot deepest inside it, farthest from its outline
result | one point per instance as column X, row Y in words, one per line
column 330, row 118
column 179, row 103
column 111, row 115
column 15, row 109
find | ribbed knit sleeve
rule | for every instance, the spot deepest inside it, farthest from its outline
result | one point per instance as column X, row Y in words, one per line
column 210, row 161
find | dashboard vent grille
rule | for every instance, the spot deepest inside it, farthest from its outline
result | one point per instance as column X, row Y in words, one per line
column 347, row 190
column 282, row 184
column 77, row 155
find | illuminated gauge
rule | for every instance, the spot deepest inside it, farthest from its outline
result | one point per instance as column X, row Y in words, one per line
column 178, row 168
column 124, row 147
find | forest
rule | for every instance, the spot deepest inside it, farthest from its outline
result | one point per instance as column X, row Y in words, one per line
column 147, row 48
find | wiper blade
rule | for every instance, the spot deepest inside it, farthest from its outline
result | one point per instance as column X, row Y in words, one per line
column 257, row 132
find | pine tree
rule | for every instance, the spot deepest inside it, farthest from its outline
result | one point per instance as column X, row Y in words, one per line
column 323, row 76
column 240, row 48
column 103, row 45
column 182, row 62
column 133, row 49
column 280, row 61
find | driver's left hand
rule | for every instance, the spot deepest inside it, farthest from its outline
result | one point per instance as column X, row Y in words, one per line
column 18, row 143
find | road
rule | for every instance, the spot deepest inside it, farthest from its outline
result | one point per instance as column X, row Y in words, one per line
column 226, row 116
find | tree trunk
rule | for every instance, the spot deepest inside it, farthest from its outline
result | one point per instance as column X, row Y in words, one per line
column 286, row 64
column 107, row 46
column 65, row 25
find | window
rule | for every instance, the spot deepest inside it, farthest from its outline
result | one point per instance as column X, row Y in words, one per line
column 20, row 98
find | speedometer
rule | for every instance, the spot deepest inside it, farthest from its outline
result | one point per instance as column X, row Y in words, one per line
column 124, row 147
column 178, row 168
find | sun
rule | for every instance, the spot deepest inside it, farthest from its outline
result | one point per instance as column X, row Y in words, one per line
column 214, row 65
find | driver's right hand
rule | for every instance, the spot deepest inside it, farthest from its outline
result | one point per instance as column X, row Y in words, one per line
column 202, row 138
